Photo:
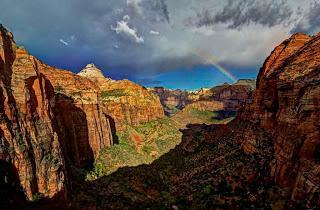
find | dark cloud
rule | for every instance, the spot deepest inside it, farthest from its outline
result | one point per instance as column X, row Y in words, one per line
column 158, row 6
column 70, row 34
column 163, row 6
column 310, row 22
column 240, row 13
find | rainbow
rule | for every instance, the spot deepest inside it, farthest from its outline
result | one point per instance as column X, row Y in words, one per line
column 210, row 60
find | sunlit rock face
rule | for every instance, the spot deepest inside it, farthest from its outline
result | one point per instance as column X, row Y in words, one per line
column 287, row 104
column 126, row 102
column 93, row 73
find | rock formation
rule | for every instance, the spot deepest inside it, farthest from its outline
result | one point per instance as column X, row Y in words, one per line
column 124, row 101
column 49, row 119
column 232, row 96
column 28, row 136
column 171, row 100
column 205, row 106
column 79, row 111
column 287, row 104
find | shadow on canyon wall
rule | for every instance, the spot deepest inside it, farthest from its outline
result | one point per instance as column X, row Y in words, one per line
column 224, row 114
column 11, row 193
column 72, row 129
column 113, row 128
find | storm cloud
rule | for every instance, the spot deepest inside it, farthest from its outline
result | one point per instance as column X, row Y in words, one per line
column 159, row 36
column 239, row 13
column 310, row 22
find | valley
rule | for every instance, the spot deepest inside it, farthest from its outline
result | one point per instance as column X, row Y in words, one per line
column 86, row 141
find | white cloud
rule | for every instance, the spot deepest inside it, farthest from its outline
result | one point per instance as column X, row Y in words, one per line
column 116, row 46
column 126, row 18
column 64, row 42
column 124, row 29
column 156, row 33
column 68, row 41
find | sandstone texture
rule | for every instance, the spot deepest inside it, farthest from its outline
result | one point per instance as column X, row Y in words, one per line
column 79, row 110
column 126, row 102
column 205, row 106
column 29, row 140
column 50, row 119
column 233, row 96
column 287, row 104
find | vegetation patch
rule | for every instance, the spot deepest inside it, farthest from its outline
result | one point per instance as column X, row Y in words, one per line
column 113, row 93
column 157, row 138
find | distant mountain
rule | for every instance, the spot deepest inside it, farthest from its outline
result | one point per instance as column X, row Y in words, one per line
column 231, row 95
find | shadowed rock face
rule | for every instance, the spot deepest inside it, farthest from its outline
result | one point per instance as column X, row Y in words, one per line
column 172, row 100
column 83, row 95
column 287, row 104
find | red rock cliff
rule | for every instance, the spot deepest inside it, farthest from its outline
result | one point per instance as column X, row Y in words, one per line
column 287, row 104
column 49, row 119
column 82, row 122
column 28, row 139
column 125, row 102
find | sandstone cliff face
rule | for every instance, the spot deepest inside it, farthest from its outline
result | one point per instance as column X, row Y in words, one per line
column 287, row 104
column 205, row 106
column 29, row 140
column 232, row 96
column 172, row 99
column 79, row 110
column 125, row 102
column 49, row 119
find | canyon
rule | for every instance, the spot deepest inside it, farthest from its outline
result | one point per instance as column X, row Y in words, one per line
column 53, row 120
column 267, row 157
column 260, row 149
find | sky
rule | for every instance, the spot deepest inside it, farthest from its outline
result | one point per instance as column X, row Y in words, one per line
column 186, row 44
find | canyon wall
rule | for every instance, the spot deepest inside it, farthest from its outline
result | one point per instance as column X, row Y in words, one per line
column 287, row 104
column 29, row 141
column 50, row 119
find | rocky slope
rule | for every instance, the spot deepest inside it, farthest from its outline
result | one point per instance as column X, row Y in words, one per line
column 50, row 119
column 267, row 158
column 126, row 102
